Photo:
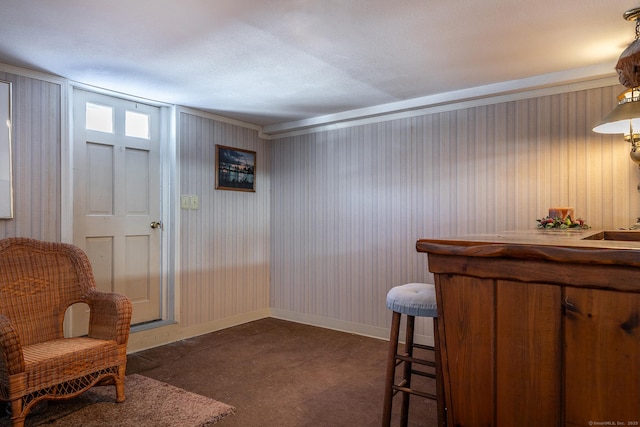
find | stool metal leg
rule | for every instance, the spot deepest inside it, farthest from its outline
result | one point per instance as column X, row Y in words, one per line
column 391, row 369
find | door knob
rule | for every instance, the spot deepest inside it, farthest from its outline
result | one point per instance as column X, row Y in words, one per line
column 156, row 224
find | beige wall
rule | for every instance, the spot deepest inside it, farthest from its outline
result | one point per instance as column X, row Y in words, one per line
column 36, row 135
column 222, row 276
column 224, row 245
column 334, row 221
column 348, row 205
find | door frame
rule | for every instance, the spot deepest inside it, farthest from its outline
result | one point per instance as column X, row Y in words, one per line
column 168, row 195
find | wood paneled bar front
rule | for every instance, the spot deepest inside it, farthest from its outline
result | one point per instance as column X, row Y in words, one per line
column 539, row 328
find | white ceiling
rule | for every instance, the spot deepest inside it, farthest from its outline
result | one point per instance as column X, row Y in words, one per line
column 280, row 61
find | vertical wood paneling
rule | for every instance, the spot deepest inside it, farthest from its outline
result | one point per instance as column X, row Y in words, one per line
column 224, row 245
column 337, row 213
column 344, row 226
column 36, row 150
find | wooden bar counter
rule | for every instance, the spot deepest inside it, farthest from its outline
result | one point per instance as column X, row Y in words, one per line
column 539, row 328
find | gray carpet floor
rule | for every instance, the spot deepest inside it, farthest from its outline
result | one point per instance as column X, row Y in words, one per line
column 283, row 374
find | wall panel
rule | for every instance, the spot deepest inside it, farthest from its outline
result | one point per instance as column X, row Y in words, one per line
column 349, row 204
column 334, row 221
column 224, row 245
column 36, row 151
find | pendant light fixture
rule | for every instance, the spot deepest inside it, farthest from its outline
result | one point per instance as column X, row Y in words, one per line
column 625, row 118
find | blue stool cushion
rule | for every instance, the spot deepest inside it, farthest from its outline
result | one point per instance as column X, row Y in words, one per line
column 413, row 299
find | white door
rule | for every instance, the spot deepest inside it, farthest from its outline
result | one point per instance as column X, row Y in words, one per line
column 116, row 191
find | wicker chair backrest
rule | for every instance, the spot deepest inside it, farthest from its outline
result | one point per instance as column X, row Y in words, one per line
column 38, row 282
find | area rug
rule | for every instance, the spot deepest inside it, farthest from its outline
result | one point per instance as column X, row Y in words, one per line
column 149, row 403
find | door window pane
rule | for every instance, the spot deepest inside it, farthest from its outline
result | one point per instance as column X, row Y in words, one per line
column 137, row 125
column 99, row 117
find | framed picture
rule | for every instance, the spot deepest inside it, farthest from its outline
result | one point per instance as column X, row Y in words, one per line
column 6, row 172
column 235, row 169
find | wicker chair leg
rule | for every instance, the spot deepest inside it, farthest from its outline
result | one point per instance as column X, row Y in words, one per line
column 16, row 408
column 120, row 397
column 119, row 381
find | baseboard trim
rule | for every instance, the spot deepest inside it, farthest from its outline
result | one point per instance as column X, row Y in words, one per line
column 155, row 337
column 343, row 326
column 146, row 339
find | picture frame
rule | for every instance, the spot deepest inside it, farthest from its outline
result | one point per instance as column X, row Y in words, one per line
column 235, row 169
column 6, row 170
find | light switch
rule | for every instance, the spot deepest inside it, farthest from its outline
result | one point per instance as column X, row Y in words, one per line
column 184, row 202
column 195, row 202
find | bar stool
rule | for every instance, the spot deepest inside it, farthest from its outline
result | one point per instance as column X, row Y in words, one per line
column 413, row 299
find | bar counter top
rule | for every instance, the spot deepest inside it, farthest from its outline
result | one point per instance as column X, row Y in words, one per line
column 619, row 247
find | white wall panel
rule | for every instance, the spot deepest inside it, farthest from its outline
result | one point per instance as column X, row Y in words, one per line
column 333, row 223
column 224, row 245
column 348, row 205
column 36, row 145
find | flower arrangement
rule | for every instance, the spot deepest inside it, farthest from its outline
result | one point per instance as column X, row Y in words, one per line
column 548, row 222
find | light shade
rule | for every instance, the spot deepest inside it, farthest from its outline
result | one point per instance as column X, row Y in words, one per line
column 625, row 117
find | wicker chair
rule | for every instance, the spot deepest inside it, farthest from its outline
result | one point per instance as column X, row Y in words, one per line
column 38, row 282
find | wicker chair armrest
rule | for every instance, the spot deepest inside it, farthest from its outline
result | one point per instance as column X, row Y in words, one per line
column 110, row 316
column 11, row 357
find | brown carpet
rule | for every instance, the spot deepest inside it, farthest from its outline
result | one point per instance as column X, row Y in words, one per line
column 285, row 374
column 149, row 403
